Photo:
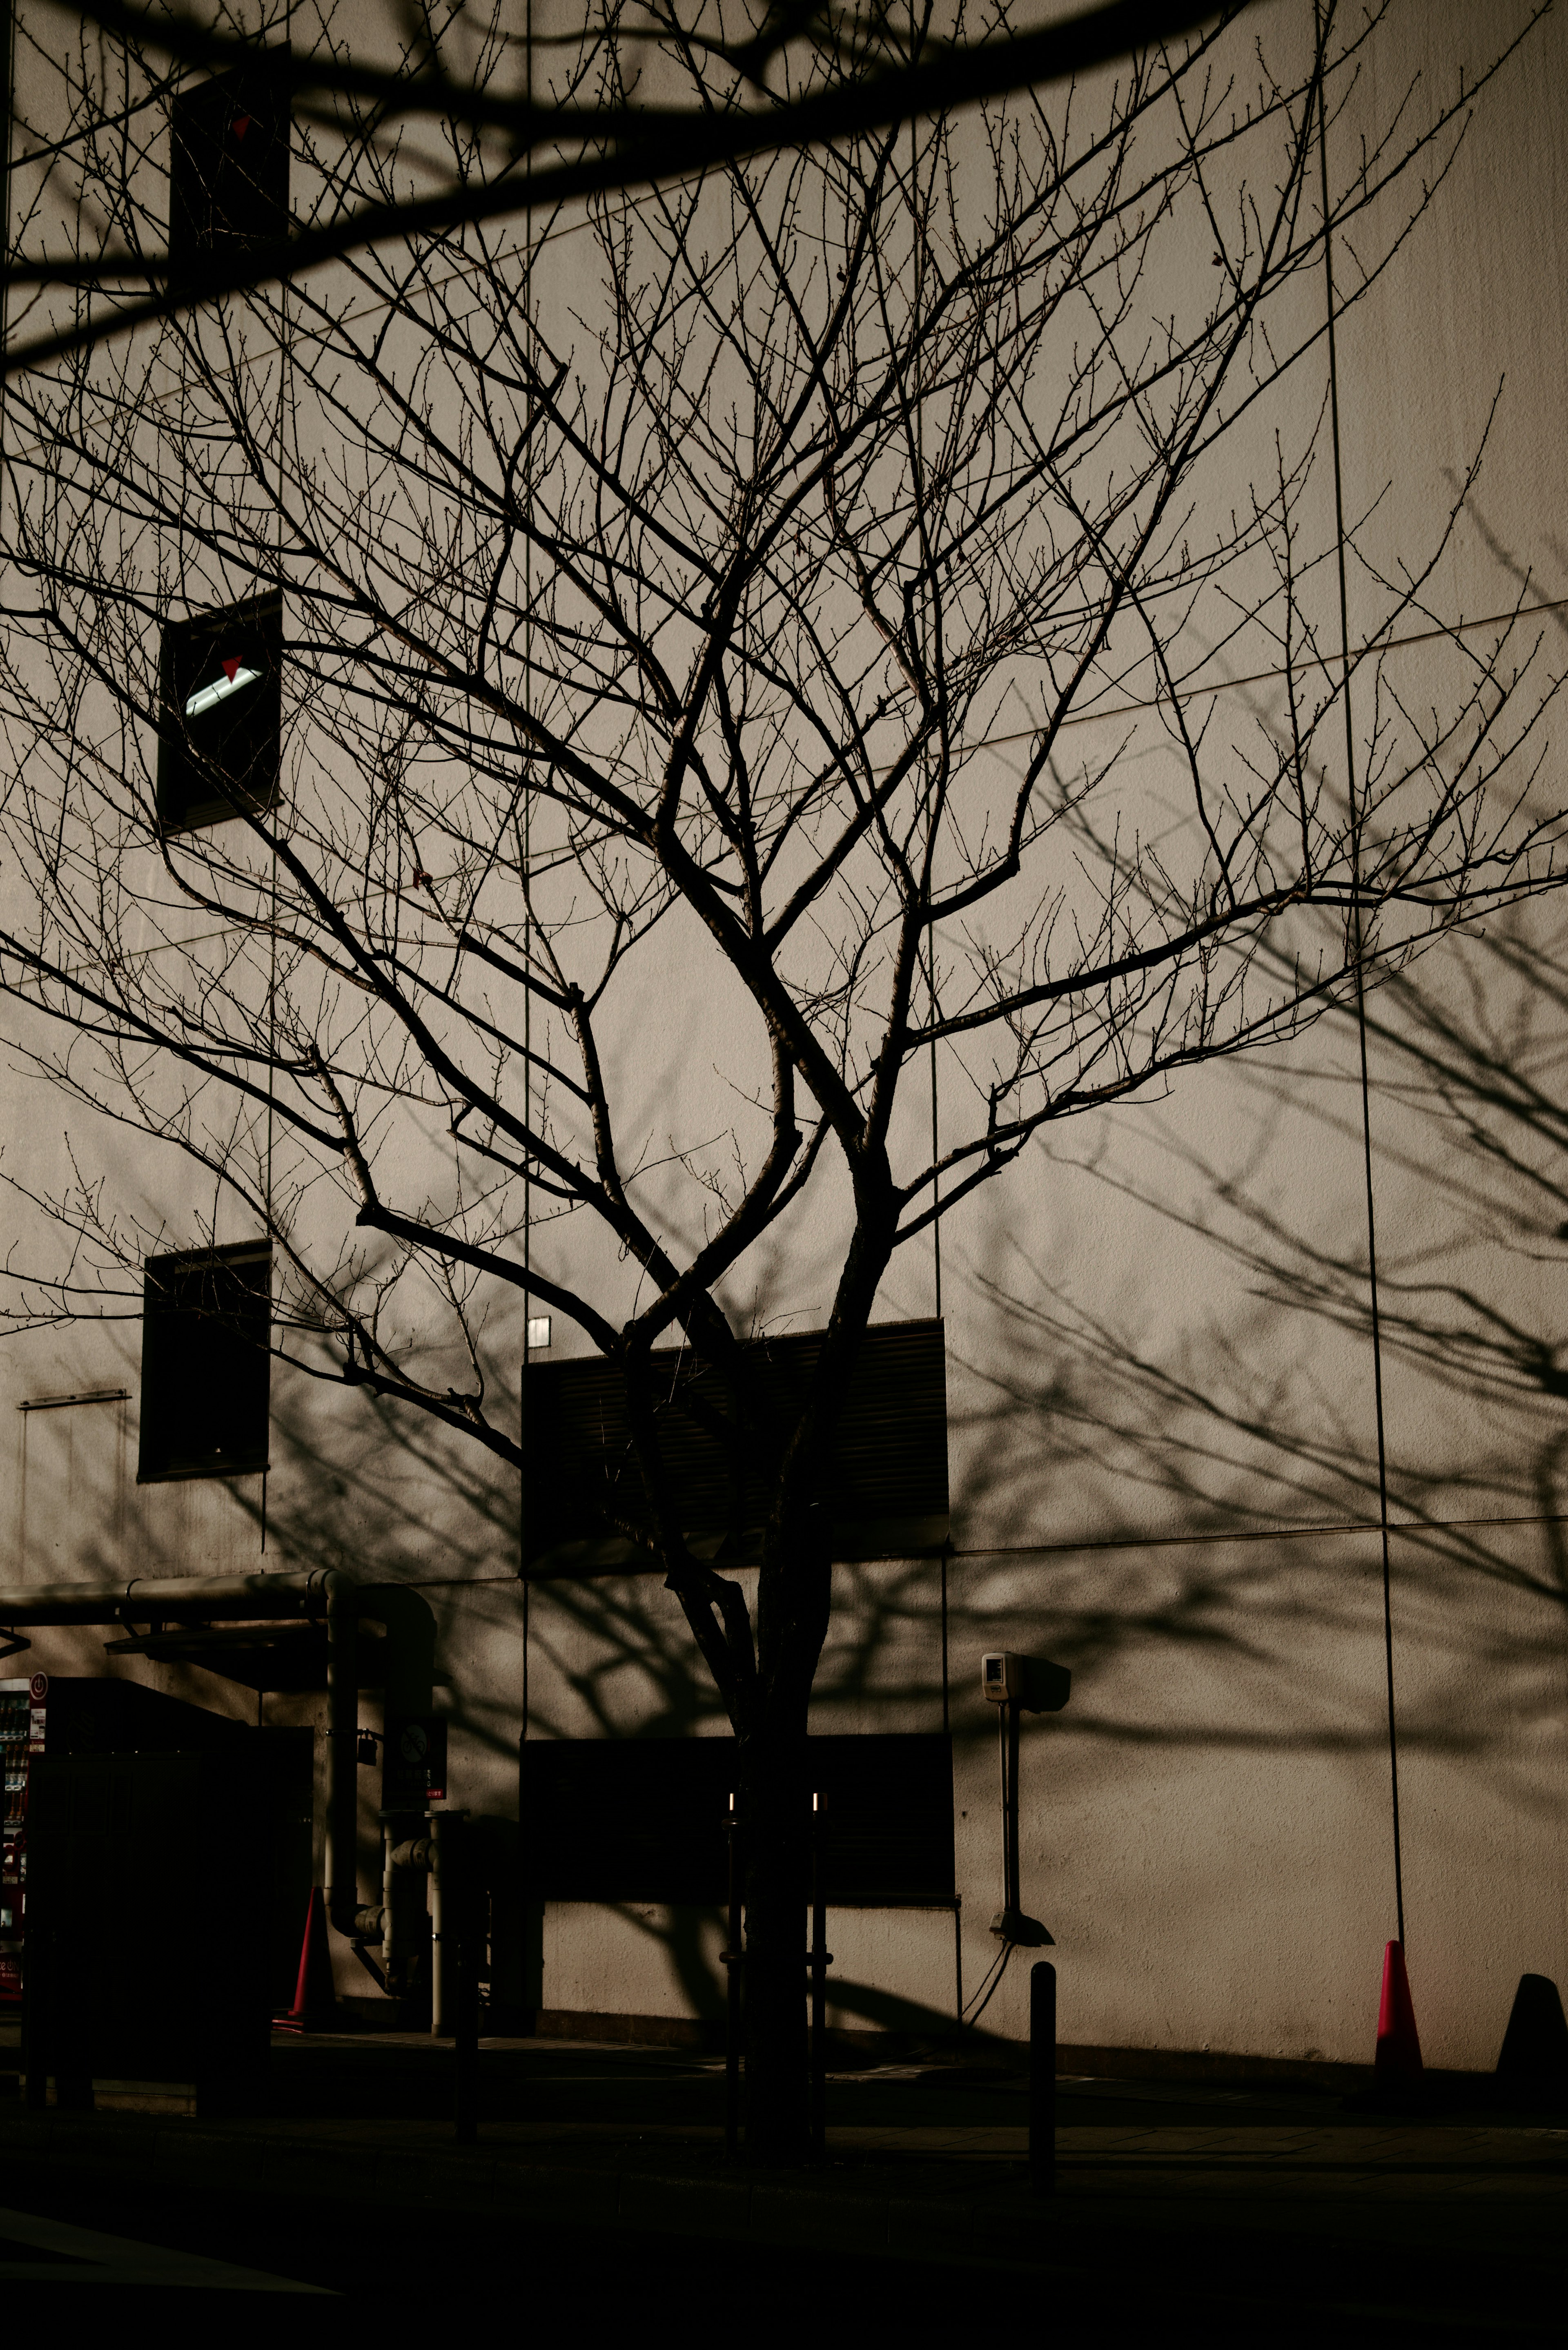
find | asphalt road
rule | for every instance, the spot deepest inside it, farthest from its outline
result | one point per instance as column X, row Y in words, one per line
column 207, row 2261
column 191, row 2257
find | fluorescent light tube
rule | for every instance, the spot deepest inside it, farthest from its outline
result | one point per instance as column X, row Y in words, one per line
column 206, row 696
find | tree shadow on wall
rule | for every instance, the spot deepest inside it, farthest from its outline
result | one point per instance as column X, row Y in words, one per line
column 607, row 1656
column 1187, row 1459
column 1203, row 1457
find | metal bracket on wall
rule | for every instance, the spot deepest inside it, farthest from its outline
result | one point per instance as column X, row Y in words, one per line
column 83, row 1395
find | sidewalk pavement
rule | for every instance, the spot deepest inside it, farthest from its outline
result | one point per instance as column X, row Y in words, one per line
column 923, row 2163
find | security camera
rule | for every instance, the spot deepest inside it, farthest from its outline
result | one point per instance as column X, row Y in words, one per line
column 1033, row 1684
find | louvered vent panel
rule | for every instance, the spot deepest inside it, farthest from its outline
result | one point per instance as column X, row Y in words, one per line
column 890, row 1462
column 645, row 1819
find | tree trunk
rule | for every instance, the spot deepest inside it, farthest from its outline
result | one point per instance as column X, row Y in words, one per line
column 777, row 1859
column 794, row 1597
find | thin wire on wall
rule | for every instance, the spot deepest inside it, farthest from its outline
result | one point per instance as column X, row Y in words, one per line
column 526, row 834
column 1321, row 31
column 918, row 261
column 8, row 68
column 285, row 393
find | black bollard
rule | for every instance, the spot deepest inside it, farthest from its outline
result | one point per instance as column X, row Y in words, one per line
column 821, row 1958
column 1043, row 2077
column 731, row 1959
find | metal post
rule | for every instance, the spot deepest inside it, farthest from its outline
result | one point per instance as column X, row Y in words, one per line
column 36, row 1988
column 1014, row 1898
column 341, row 1858
column 731, row 1959
column 463, row 1923
column 445, row 1894
column 1041, row 2077
column 821, row 1960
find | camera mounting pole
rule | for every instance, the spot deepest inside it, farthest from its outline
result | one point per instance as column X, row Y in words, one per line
column 1015, row 1685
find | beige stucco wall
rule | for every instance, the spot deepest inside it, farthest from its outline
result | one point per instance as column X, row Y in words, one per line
column 1159, row 1377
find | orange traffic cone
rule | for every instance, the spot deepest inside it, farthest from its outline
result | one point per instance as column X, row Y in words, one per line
column 1397, row 2062
column 314, row 2005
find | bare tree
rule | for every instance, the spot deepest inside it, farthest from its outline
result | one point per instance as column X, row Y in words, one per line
column 692, row 619
column 557, row 114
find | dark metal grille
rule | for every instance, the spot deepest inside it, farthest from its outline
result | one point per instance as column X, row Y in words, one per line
column 889, row 1490
column 606, row 1819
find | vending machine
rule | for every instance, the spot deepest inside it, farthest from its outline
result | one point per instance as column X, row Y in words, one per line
column 22, row 1704
column 49, row 1716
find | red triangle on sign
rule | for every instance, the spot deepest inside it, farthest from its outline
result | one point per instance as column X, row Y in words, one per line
column 242, row 124
column 231, row 670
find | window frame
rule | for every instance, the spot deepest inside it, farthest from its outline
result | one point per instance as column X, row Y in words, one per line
column 159, row 1461
column 187, row 797
column 202, row 228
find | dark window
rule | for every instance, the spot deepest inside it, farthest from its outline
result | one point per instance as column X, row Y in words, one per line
column 222, row 718
column 228, row 169
column 889, row 1485
column 206, row 1320
column 607, row 1819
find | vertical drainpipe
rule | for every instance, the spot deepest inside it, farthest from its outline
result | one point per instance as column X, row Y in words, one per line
column 342, row 1772
column 391, row 1941
column 446, row 1831
column 409, row 1661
